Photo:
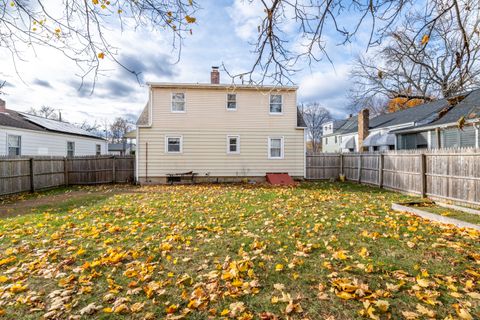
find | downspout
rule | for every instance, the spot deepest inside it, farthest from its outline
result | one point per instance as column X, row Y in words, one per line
column 146, row 161
column 437, row 136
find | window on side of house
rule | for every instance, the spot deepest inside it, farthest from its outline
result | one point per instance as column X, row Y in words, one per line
column 275, row 148
column 178, row 102
column 98, row 150
column 173, row 144
column 276, row 104
column 233, row 144
column 326, row 141
column 231, row 102
column 14, row 145
column 70, row 149
column 335, row 139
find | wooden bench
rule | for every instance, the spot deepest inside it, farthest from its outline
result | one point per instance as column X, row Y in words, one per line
column 181, row 177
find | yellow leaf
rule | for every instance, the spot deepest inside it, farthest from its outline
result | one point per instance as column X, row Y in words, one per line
column 425, row 39
column 409, row 315
column 171, row 308
column 190, row 19
column 101, row 55
column 425, row 311
column 383, row 305
column 279, row 267
column 3, row 279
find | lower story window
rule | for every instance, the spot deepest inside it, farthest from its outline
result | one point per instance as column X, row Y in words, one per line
column 173, row 144
column 275, row 148
column 14, row 145
column 70, row 149
column 98, row 149
column 233, row 144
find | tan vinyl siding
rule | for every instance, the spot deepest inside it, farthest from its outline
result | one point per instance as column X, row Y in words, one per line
column 205, row 126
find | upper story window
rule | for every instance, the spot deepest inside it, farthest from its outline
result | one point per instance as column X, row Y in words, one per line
column 70, row 149
column 231, row 101
column 173, row 144
column 233, row 144
column 178, row 102
column 98, row 149
column 14, row 145
column 276, row 104
column 275, row 148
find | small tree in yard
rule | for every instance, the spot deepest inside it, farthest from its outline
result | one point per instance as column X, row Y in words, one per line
column 315, row 116
column 119, row 128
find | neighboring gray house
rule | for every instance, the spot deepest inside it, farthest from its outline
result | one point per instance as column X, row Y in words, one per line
column 457, row 127
column 29, row 135
column 121, row 149
column 377, row 133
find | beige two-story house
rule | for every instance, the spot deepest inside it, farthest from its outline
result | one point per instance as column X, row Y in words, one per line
column 219, row 132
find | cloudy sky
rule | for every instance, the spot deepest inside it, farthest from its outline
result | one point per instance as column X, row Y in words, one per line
column 222, row 34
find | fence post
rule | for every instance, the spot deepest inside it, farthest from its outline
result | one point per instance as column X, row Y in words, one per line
column 359, row 168
column 114, row 171
column 380, row 170
column 423, row 176
column 32, row 175
column 65, row 171
column 341, row 164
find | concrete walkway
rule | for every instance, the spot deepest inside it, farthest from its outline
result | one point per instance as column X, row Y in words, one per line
column 435, row 217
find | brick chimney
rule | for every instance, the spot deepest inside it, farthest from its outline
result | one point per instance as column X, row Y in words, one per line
column 363, row 124
column 3, row 106
column 215, row 76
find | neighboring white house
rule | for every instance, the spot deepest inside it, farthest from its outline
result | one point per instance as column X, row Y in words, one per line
column 22, row 134
column 220, row 132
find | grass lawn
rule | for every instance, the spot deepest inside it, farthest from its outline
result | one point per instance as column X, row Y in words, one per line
column 318, row 251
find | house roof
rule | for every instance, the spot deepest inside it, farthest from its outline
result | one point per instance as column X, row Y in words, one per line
column 424, row 112
column 117, row 146
column 229, row 86
column 468, row 108
column 14, row 119
column 300, row 121
column 143, row 119
column 21, row 120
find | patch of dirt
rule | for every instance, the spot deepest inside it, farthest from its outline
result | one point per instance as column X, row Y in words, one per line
column 26, row 206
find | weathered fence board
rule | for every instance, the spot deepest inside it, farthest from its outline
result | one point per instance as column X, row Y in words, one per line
column 451, row 174
column 22, row 174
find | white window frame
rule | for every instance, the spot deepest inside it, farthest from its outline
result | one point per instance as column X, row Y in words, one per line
column 227, row 101
column 270, row 104
column 174, row 137
column 73, row 143
column 20, row 144
column 282, row 148
column 228, row 144
column 184, row 103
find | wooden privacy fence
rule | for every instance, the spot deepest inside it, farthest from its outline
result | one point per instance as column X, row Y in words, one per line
column 20, row 174
column 450, row 174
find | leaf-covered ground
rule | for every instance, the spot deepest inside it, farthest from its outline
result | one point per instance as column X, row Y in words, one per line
column 318, row 251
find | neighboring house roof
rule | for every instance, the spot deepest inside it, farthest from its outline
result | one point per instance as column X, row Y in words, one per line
column 337, row 125
column 120, row 146
column 14, row 119
column 300, row 121
column 419, row 114
column 350, row 125
column 21, row 120
column 468, row 108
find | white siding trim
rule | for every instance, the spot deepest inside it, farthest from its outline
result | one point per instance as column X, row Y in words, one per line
column 477, row 136
column 228, row 143
column 282, row 148
column 137, row 151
